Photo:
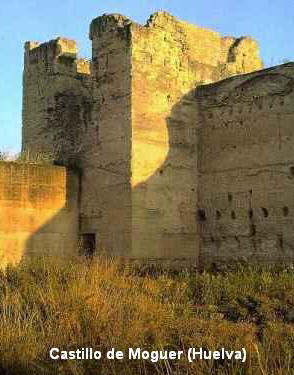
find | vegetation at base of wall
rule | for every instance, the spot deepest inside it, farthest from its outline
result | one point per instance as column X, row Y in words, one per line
column 70, row 304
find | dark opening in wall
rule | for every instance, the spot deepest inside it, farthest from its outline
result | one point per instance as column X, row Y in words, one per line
column 88, row 245
column 285, row 211
column 250, row 213
column 218, row 215
column 292, row 171
column 252, row 229
column 201, row 215
column 280, row 241
column 233, row 215
column 230, row 197
column 264, row 211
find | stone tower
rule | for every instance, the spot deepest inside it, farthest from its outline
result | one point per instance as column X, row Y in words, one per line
column 130, row 124
column 57, row 99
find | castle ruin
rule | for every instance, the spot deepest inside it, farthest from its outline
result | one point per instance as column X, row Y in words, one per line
column 173, row 145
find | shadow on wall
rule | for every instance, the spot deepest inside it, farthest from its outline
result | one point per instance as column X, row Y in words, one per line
column 59, row 235
column 163, row 207
column 167, row 223
column 246, row 157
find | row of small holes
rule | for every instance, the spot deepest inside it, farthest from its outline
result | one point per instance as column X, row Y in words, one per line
column 231, row 112
column 202, row 214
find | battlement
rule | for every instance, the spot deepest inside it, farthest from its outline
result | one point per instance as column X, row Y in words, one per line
column 50, row 51
column 60, row 53
column 165, row 20
column 83, row 66
column 108, row 22
column 229, row 55
column 160, row 19
column 145, row 140
column 56, row 95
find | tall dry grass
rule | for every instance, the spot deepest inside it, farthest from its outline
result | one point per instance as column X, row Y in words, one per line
column 72, row 304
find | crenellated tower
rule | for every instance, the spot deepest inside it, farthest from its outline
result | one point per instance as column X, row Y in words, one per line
column 57, row 100
column 129, row 121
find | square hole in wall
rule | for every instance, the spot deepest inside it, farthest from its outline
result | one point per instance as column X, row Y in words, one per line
column 88, row 244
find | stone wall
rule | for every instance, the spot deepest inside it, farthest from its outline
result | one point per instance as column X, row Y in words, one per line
column 106, row 189
column 57, row 100
column 128, row 121
column 246, row 166
column 38, row 211
column 169, row 59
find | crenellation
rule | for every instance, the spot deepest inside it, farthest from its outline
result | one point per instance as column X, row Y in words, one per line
column 56, row 91
column 84, row 67
column 58, row 56
column 110, row 23
column 182, row 141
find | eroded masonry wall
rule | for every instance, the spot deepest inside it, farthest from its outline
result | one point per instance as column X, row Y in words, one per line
column 57, row 101
column 169, row 59
column 246, row 166
column 128, row 122
column 106, row 189
column 38, row 211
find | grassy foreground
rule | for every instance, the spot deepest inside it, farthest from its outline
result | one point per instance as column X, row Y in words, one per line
column 73, row 304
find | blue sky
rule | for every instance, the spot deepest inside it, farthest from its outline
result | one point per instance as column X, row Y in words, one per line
column 271, row 22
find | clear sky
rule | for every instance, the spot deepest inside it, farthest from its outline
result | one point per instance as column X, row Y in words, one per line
column 271, row 22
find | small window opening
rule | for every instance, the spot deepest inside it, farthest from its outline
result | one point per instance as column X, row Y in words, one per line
column 281, row 241
column 233, row 215
column 218, row 215
column 201, row 215
column 285, row 211
column 88, row 244
column 252, row 229
column 264, row 211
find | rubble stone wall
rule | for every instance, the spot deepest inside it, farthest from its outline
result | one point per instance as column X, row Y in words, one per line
column 246, row 167
column 170, row 58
